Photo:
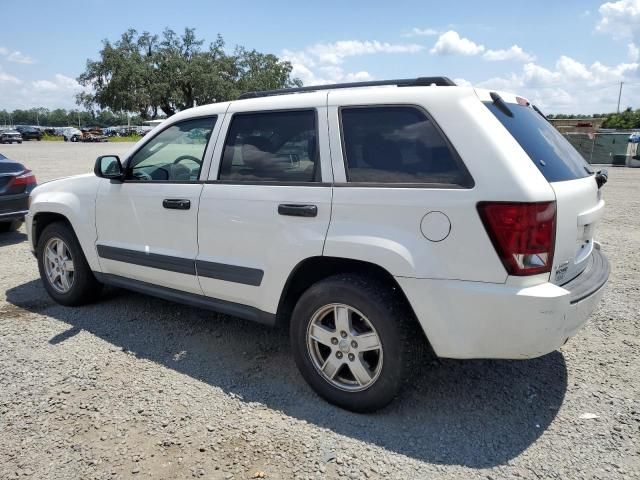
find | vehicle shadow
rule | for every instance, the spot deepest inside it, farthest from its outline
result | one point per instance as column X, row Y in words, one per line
column 12, row 238
column 472, row 413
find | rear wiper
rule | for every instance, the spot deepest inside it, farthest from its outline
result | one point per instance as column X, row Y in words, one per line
column 500, row 103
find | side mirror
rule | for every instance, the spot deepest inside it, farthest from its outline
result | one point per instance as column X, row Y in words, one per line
column 109, row 166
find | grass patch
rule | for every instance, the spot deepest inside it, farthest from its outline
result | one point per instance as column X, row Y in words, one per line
column 130, row 138
column 53, row 138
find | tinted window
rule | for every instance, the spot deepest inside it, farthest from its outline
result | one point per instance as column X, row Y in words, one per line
column 398, row 145
column 554, row 156
column 272, row 146
column 175, row 154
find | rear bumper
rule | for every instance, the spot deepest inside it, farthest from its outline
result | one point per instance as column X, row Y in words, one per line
column 14, row 207
column 486, row 320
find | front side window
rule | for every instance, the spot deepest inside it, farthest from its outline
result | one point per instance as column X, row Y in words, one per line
column 175, row 154
column 272, row 147
column 398, row 145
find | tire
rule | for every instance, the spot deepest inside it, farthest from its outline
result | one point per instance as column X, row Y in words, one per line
column 375, row 309
column 11, row 226
column 83, row 287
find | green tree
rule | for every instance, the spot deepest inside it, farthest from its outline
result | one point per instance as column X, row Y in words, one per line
column 628, row 119
column 146, row 74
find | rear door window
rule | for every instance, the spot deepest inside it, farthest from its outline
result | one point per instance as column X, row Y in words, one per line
column 554, row 156
column 277, row 146
column 398, row 145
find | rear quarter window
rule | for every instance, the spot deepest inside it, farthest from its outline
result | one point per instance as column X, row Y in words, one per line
column 554, row 156
column 398, row 145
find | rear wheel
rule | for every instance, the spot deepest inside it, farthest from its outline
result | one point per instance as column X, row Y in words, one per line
column 349, row 341
column 63, row 267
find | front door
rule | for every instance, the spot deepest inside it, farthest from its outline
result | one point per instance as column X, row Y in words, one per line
column 147, row 225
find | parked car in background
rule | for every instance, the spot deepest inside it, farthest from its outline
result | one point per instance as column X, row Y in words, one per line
column 389, row 227
column 29, row 133
column 16, row 183
column 71, row 134
column 10, row 135
column 93, row 134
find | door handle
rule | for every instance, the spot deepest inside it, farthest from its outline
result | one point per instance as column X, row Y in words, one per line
column 298, row 210
column 176, row 204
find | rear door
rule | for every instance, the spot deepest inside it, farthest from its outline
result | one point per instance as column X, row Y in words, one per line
column 267, row 204
column 579, row 201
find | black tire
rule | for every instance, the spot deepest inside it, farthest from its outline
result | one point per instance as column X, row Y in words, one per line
column 11, row 226
column 84, row 288
column 385, row 311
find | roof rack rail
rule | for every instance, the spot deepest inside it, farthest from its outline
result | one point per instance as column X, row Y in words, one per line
column 406, row 82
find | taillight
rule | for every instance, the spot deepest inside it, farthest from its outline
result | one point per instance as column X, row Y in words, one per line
column 523, row 234
column 25, row 178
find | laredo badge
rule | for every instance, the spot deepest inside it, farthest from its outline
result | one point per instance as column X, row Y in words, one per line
column 561, row 271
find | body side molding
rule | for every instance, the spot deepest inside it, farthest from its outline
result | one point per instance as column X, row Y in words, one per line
column 219, row 271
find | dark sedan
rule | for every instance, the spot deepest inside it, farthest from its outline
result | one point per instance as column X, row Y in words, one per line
column 30, row 133
column 16, row 183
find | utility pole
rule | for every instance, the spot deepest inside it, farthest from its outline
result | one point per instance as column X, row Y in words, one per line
column 619, row 95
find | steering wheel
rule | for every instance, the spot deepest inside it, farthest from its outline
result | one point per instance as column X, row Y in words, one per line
column 188, row 157
column 141, row 176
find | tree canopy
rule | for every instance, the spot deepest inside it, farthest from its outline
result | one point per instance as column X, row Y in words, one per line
column 64, row 118
column 146, row 74
column 628, row 119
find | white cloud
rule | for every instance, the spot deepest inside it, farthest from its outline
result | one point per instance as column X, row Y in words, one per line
column 20, row 57
column 420, row 32
column 571, row 69
column 512, row 53
column 15, row 56
column 621, row 19
column 320, row 63
column 7, row 78
column 572, row 87
column 56, row 92
column 450, row 43
column 336, row 52
column 461, row 82
column 634, row 52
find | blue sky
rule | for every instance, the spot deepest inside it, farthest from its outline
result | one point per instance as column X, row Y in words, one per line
column 568, row 56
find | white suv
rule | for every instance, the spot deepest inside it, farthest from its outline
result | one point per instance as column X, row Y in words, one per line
column 370, row 217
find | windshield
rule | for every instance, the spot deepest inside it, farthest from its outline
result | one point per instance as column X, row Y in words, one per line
column 554, row 156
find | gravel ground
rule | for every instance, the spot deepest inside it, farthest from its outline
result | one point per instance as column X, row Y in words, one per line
column 138, row 387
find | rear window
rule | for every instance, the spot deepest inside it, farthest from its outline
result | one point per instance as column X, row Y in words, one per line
column 554, row 156
column 398, row 145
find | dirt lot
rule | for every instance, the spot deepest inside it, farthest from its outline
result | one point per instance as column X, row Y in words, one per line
column 138, row 387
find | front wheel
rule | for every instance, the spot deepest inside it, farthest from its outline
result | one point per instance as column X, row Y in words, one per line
column 63, row 267
column 348, row 340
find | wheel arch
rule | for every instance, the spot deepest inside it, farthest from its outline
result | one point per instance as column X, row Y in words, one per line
column 314, row 269
column 42, row 219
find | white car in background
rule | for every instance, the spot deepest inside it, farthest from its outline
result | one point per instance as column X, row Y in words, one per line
column 71, row 134
column 372, row 218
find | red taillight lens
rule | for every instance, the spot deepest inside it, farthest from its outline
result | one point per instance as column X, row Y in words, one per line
column 25, row 178
column 523, row 234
